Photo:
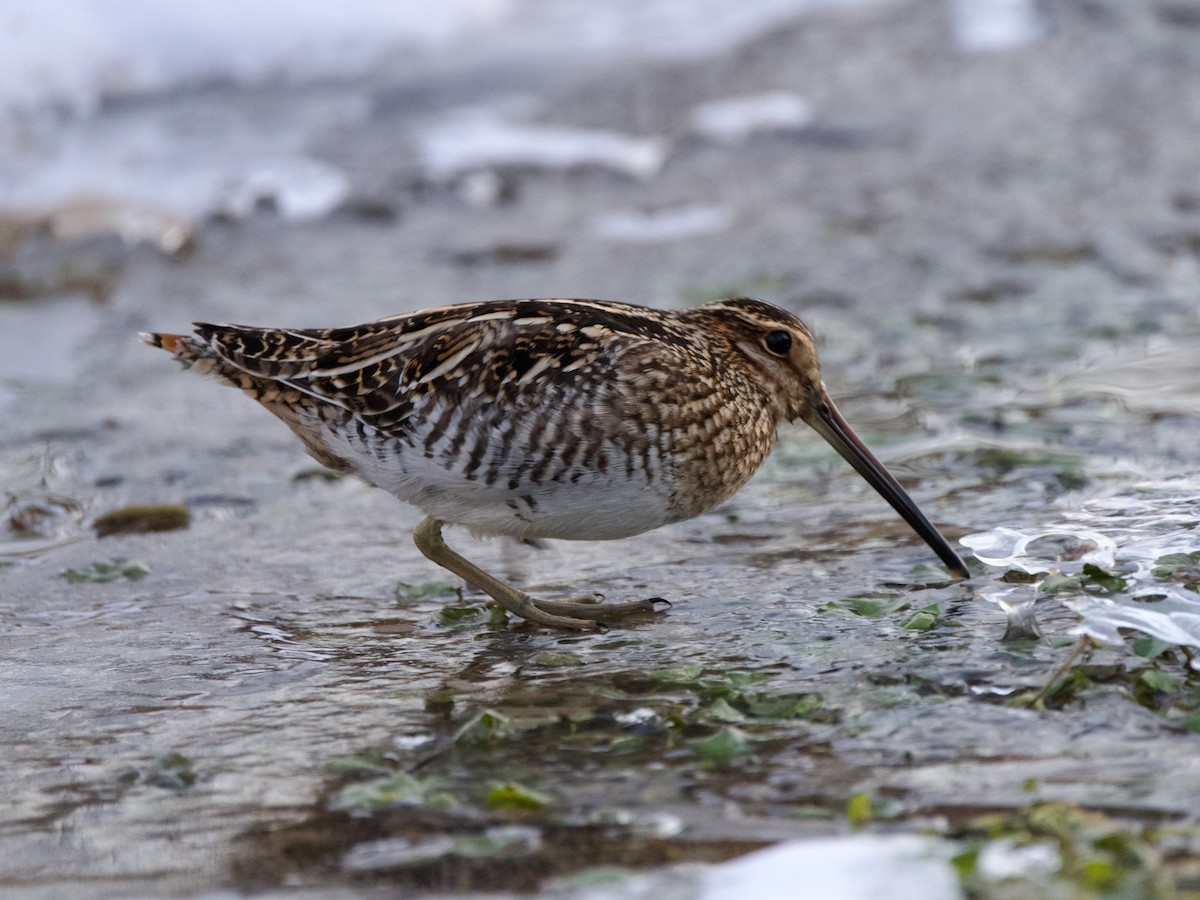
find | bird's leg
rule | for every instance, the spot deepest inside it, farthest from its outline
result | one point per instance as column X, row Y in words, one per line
column 429, row 540
column 557, row 614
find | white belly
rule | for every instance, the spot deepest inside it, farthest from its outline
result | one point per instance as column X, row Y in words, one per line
column 594, row 505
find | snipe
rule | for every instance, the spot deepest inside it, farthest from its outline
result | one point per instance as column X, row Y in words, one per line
column 574, row 419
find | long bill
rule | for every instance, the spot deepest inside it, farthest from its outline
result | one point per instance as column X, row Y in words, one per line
column 823, row 417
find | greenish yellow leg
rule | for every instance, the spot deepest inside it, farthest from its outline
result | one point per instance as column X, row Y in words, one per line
column 579, row 614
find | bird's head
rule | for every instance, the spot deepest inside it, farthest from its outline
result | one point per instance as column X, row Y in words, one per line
column 778, row 347
column 783, row 355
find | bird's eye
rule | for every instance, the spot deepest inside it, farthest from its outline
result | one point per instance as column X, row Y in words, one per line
column 779, row 342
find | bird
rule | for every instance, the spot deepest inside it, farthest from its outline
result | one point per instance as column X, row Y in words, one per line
column 547, row 418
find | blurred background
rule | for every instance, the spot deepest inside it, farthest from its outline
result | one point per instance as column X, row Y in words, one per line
column 987, row 210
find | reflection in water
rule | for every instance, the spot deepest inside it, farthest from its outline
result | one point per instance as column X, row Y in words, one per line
column 34, row 518
column 1162, row 380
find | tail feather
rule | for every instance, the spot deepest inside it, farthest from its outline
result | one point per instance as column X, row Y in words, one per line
column 165, row 341
column 193, row 353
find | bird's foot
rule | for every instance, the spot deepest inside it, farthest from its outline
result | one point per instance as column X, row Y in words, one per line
column 584, row 612
column 591, row 607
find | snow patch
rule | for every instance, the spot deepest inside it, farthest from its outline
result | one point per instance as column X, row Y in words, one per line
column 734, row 119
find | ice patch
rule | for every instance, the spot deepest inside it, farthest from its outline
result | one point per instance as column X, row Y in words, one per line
column 865, row 867
column 298, row 188
column 1175, row 619
column 1031, row 551
column 198, row 153
column 1127, row 532
column 479, row 139
column 639, row 716
column 670, row 29
column 673, row 224
column 408, row 742
column 73, row 52
column 1005, row 858
column 1020, row 614
column 182, row 161
column 983, row 25
column 734, row 119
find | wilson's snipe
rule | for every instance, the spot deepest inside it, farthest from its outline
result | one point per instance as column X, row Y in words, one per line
column 571, row 419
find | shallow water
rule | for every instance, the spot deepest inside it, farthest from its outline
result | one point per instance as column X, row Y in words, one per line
column 275, row 698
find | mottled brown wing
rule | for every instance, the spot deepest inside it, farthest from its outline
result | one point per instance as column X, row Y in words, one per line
column 477, row 352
